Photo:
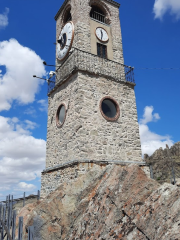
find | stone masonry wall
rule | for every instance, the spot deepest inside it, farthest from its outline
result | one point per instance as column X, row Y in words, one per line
column 80, row 17
column 116, row 34
column 85, row 133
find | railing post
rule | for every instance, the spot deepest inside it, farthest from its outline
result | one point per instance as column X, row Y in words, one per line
column 14, row 224
column 8, row 212
column 151, row 172
column 24, row 199
column 6, row 200
column 38, row 195
column 0, row 215
column 20, row 229
column 173, row 175
column 0, row 210
column 3, row 220
column 9, row 215
column 31, row 233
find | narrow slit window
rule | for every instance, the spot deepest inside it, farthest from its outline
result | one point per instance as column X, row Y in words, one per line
column 101, row 50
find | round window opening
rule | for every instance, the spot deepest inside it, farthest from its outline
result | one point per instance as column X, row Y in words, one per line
column 110, row 109
column 61, row 115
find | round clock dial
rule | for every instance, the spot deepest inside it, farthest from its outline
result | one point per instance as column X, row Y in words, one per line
column 101, row 34
column 65, row 40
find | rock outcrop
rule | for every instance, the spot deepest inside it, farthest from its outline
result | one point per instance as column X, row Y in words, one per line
column 165, row 164
column 116, row 203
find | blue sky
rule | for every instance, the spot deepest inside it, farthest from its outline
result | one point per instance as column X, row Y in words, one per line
column 151, row 39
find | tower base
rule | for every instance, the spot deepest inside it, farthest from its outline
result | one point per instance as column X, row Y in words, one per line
column 51, row 178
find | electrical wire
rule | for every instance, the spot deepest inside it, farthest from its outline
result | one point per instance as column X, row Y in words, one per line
column 157, row 68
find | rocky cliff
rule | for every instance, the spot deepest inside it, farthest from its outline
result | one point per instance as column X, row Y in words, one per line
column 114, row 203
column 165, row 163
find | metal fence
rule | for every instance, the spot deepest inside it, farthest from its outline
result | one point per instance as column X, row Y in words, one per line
column 165, row 164
column 22, row 198
column 8, row 219
column 169, row 172
column 88, row 62
column 98, row 16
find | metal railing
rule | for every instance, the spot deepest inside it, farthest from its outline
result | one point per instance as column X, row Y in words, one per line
column 8, row 219
column 169, row 172
column 85, row 61
column 22, row 198
column 51, row 83
column 98, row 16
column 165, row 165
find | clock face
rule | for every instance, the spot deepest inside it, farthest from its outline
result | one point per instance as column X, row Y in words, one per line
column 65, row 40
column 101, row 34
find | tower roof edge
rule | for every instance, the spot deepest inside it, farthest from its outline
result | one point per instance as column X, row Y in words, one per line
column 66, row 1
column 60, row 10
column 114, row 3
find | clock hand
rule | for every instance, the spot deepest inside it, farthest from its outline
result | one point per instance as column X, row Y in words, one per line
column 101, row 34
column 61, row 41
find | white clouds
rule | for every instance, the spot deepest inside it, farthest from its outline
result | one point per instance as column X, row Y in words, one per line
column 22, row 157
column 148, row 116
column 30, row 111
column 151, row 141
column 24, row 187
column 163, row 6
column 18, row 83
column 4, row 18
column 43, row 105
column 30, row 125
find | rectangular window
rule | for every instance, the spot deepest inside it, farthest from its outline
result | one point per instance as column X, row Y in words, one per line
column 101, row 50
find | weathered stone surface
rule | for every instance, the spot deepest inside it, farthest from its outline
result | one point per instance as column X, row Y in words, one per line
column 115, row 203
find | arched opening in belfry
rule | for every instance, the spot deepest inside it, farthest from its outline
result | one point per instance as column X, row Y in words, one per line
column 67, row 16
column 98, row 14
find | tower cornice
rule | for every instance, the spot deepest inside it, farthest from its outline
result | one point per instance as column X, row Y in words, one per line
column 66, row 1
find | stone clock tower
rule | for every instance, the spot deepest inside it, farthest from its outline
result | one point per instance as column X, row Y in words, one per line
column 92, row 116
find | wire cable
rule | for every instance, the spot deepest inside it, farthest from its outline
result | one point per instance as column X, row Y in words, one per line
column 157, row 68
